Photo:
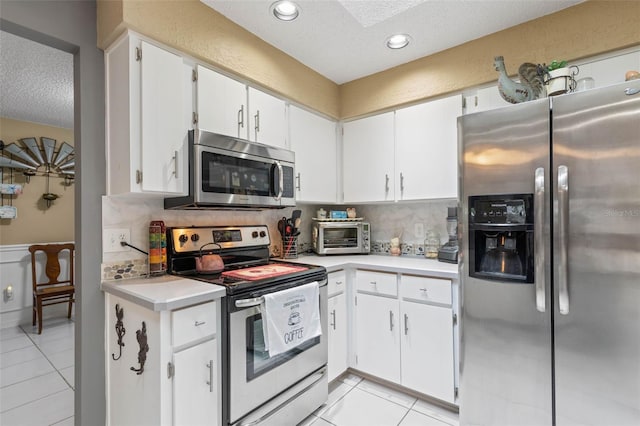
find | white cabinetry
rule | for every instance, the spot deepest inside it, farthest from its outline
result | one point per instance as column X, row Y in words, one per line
column 267, row 119
column 427, row 150
column 427, row 337
column 146, row 128
column 337, row 312
column 377, row 319
column 313, row 139
column 483, row 100
column 180, row 381
column 221, row 103
column 368, row 159
column 408, row 339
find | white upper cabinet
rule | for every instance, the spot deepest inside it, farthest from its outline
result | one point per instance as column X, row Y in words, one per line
column 427, row 150
column 484, row 99
column 313, row 139
column 368, row 159
column 146, row 126
column 267, row 119
column 221, row 103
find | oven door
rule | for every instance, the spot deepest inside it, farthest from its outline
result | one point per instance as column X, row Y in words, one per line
column 254, row 378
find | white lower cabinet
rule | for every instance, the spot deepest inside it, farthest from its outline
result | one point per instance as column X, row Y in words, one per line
column 194, row 385
column 404, row 331
column 179, row 381
column 338, row 324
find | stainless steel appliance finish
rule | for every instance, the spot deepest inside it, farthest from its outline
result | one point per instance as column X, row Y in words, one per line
column 561, row 350
column 341, row 237
column 258, row 389
column 227, row 172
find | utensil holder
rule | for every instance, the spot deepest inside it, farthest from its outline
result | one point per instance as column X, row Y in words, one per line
column 290, row 248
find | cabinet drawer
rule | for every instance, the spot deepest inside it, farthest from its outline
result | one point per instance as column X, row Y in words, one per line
column 377, row 282
column 337, row 282
column 426, row 289
column 193, row 323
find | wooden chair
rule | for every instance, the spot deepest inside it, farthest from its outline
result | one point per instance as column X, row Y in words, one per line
column 54, row 291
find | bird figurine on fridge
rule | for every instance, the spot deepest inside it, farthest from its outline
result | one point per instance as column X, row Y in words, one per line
column 530, row 87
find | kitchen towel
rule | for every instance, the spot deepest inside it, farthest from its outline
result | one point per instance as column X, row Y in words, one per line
column 291, row 317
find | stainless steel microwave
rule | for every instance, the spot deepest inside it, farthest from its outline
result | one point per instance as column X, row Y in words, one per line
column 227, row 172
column 338, row 237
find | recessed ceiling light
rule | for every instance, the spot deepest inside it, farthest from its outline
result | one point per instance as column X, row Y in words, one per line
column 398, row 41
column 285, row 10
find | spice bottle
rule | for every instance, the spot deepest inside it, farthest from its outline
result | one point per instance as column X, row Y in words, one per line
column 157, row 247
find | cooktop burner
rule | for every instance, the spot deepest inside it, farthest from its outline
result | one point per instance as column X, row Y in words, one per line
column 244, row 251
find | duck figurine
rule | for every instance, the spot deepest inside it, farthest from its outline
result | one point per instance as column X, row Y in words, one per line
column 530, row 87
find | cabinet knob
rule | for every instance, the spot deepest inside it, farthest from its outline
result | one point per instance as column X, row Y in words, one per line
column 199, row 323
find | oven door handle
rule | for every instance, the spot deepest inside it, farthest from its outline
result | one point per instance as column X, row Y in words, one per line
column 247, row 303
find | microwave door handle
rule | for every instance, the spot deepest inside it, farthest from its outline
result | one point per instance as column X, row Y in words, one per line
column 280, row 180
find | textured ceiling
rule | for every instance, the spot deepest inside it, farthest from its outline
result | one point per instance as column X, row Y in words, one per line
column 36, row 82
column 345, row 39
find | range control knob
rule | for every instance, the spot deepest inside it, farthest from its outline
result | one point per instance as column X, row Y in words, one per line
column 263, row 234
column 195, row 237
column 254, row 234
column 183, row 238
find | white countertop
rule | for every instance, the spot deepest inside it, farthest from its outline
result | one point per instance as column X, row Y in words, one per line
column 402, row 264
column 165, row 292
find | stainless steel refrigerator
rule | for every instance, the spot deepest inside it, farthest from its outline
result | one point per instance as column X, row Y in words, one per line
column 550, row 261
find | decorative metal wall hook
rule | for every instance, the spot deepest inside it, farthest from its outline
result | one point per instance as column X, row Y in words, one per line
column 120, row 330
column 141, row 336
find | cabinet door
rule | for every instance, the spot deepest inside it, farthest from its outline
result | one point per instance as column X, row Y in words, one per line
column 484, row 100
column 427, row 150
column 368, row 161
column 267, row 119
column 378, row 336
column 313, row 139
column 163, row 131
column 221, row 104
column 337, row 342
column 195, row 386
column 427, row 350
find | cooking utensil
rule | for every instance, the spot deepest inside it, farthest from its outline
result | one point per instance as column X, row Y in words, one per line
column 209, row 263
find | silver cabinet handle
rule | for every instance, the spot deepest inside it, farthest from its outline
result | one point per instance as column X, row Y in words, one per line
column 406, row 324
column 298, row 179
column 210, row 382
column 175, row 164
column 401, row 182
column 199, row 323
column 386, row 183
column 538, row 239
column 333, row 319
column 390, row 320
column 563, row 213
column 247, row 303
column 240, row 117
column 256, row 127
column 338, row 282
column 423, row 289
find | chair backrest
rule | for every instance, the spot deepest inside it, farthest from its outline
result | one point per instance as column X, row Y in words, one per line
column 52, row 266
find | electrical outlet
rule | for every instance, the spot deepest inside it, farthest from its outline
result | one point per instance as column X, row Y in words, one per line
column 111, row 239
column 418, row 230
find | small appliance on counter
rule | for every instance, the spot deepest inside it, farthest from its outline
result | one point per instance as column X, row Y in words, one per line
column 449, row 251
column 340, row 236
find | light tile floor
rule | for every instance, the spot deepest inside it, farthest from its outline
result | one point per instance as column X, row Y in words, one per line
column 37, row 385
column 37, row 374
column 354, row 401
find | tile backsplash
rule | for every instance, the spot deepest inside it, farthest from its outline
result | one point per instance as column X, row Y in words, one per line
column 387, row 221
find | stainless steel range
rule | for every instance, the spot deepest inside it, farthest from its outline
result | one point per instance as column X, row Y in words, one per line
column 257, row 389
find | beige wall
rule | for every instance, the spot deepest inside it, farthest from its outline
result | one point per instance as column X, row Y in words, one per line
column 584, row 30
column 36, row 223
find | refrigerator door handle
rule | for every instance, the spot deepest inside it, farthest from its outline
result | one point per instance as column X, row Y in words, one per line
column 539, row 206
column 563, row 216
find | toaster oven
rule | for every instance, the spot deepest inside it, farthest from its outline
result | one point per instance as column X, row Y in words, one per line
column 341, row 237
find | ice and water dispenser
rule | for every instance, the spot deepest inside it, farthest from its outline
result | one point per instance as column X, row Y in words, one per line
column 501, row 237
